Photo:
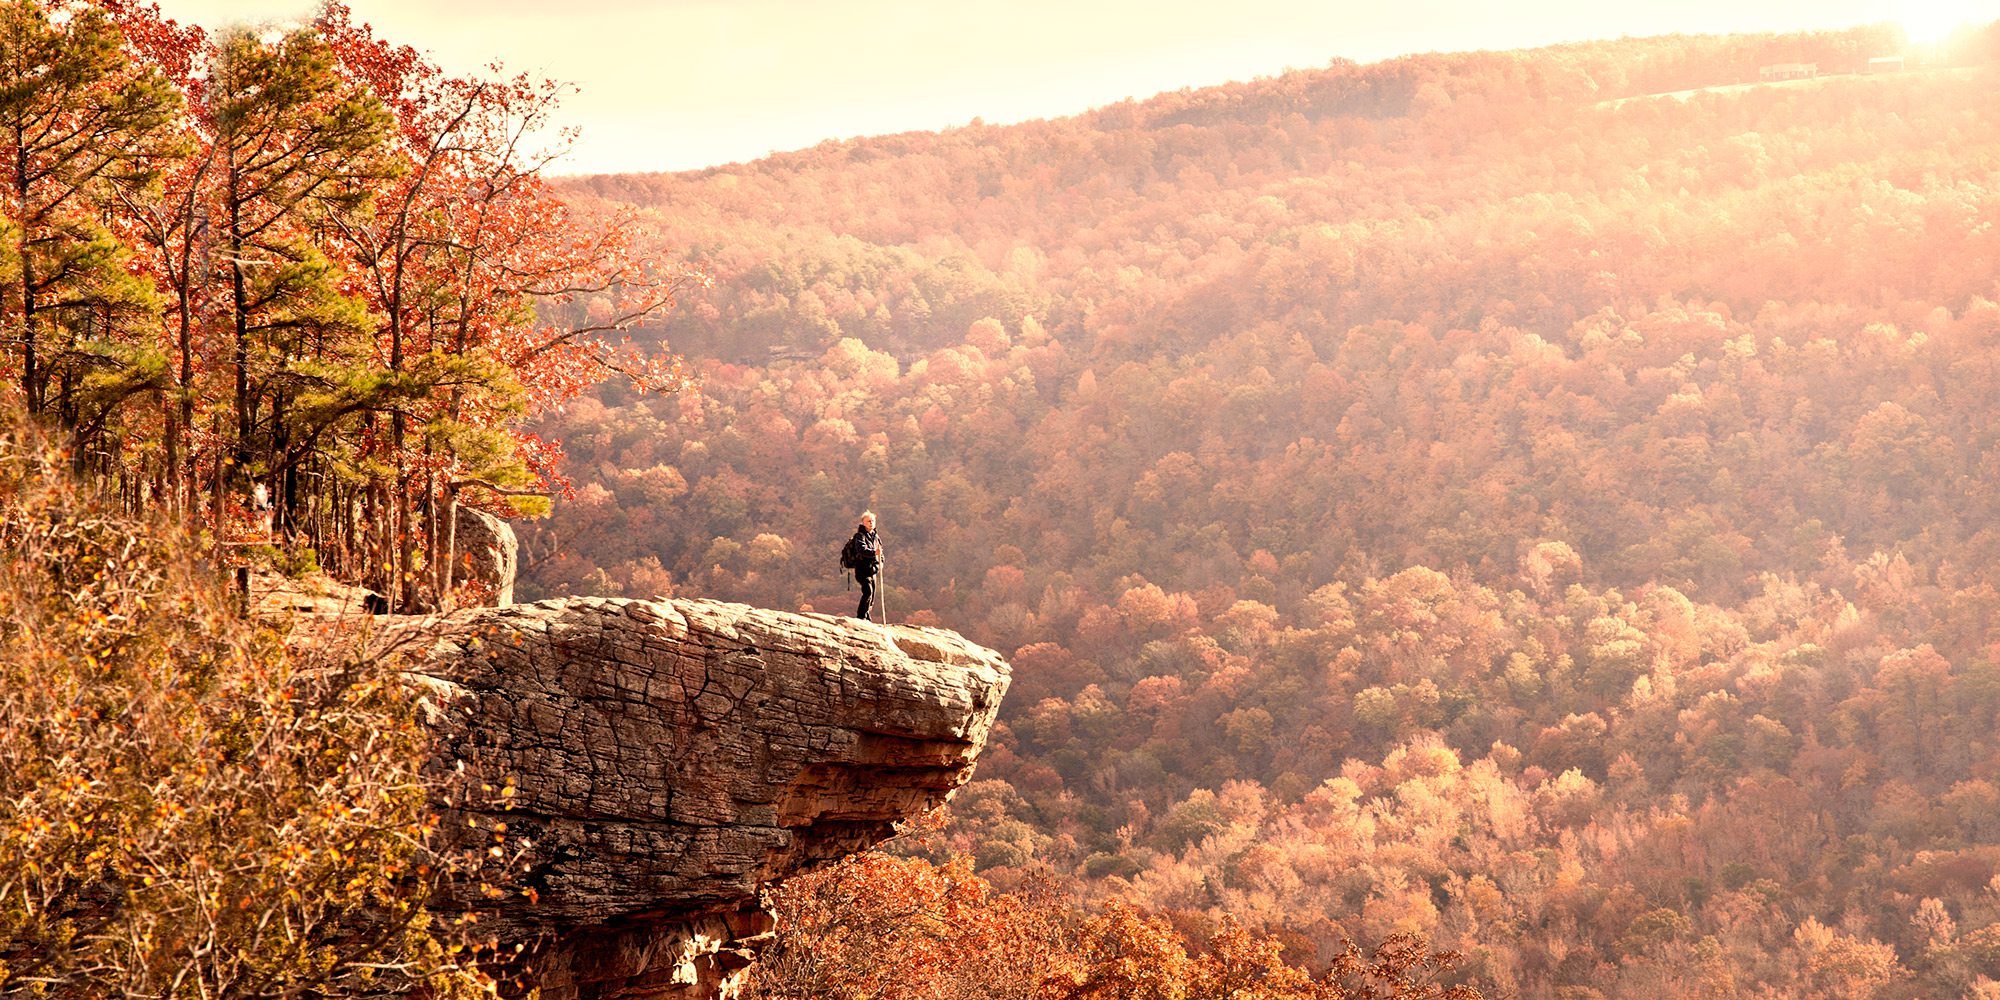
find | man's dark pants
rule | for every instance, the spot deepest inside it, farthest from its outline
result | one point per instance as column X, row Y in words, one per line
column 867, row 581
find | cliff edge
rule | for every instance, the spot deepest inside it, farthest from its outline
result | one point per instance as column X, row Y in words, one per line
column 673, row 758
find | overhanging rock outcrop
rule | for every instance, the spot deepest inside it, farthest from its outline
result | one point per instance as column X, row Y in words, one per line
column 673, row 758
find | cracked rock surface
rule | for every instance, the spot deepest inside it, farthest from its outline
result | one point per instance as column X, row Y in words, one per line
column 673, row 758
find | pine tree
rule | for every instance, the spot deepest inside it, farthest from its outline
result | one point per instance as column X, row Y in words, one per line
column 297, row 146
column 79, row 120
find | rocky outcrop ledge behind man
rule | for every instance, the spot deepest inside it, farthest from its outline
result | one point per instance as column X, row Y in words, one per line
column 672, row 758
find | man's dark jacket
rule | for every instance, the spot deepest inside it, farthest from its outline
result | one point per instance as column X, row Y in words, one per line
column 866, row 552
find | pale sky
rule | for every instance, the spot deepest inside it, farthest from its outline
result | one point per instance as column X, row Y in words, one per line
column 682, row 84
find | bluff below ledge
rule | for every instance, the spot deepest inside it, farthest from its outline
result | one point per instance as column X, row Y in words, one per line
column 673, row 758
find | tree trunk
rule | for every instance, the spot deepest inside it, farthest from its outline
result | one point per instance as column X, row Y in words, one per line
column 239, row 299
column 29, row 373
column 448, row 566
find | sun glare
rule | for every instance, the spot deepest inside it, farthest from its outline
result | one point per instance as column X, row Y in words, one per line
column 1929, row 22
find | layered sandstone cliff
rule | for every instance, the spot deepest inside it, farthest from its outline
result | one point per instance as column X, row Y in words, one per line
column 673, row 758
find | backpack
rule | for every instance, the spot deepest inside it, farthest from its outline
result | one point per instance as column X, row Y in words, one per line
column 852, row 554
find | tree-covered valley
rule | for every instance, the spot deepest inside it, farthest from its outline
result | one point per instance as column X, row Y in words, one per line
column 1508, row 524
column 1540, row 500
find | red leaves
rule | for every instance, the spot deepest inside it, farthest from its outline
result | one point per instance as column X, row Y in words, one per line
column 353, row 252
column 167, row 44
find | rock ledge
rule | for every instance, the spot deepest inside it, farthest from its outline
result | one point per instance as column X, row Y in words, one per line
column 673, row 758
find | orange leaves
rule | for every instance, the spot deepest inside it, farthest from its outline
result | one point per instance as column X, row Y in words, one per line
column 1123, row 956
column 226, row 812
column 875, row 925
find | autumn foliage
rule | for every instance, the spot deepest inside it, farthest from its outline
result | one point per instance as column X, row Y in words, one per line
column 1464, row 496
column 303, row 259
column 296, row 260
column 877, row 925
column 1537, row 505
column 191, row 805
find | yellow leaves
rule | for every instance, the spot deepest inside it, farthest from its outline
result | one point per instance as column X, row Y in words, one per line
column 32, row 826
column 165, row 759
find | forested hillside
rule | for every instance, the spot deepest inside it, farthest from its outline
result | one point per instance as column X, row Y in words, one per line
column 1462, row 494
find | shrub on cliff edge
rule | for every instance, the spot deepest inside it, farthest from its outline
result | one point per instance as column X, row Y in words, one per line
column 188, row 807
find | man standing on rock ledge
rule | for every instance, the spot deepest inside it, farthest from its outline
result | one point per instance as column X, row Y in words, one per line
column 863, row 555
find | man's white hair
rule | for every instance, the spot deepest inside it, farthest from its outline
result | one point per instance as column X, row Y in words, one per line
column 866, row 515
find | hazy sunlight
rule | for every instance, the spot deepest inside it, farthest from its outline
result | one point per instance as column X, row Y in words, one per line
column 1928, row 22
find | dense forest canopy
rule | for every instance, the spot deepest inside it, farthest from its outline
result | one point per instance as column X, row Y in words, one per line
column 1540, row 500
column 1537, row 504
column 283, row 295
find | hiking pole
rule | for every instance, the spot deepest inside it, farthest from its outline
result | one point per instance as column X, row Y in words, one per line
column 883, row 585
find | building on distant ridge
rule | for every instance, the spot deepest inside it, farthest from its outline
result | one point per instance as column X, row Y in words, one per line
column 1788, row 71
column 1885, row 64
